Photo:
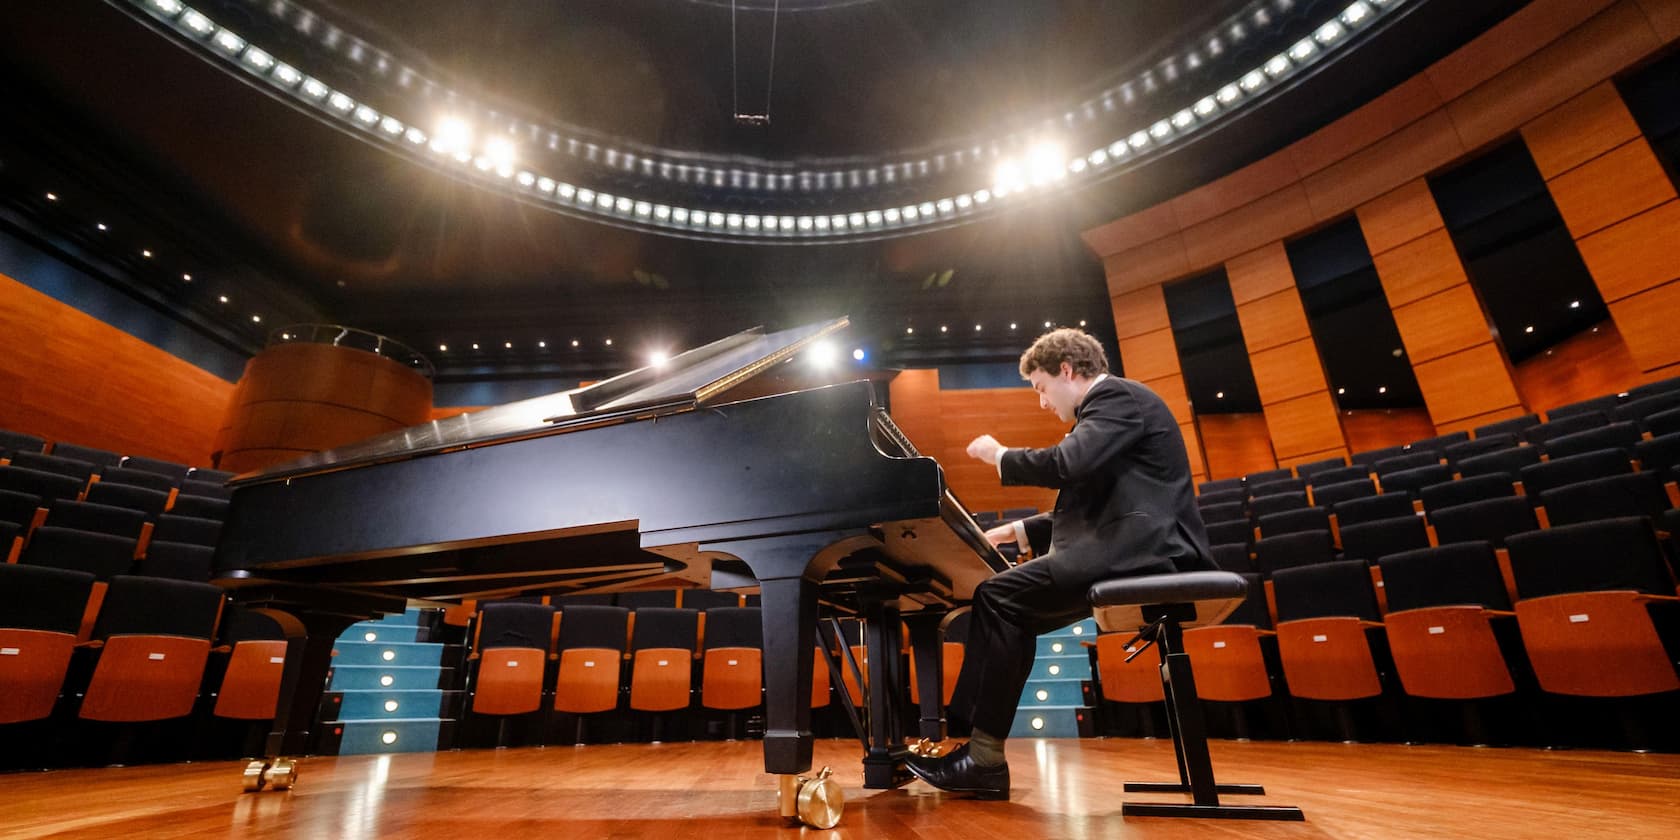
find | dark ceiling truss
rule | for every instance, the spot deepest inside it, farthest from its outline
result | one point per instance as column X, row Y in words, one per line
column 694, row 196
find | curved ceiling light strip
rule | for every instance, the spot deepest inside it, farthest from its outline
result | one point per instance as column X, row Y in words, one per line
column 493, row 163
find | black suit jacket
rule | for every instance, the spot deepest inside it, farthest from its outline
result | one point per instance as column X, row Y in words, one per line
column 1125, row 504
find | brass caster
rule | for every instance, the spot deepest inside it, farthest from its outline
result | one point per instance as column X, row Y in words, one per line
column 816, row 801
column 254, row 775
column 926, row 748
column 282, row 774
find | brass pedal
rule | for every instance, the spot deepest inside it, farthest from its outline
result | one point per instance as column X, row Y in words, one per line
column 254, row 775
column 281, row 774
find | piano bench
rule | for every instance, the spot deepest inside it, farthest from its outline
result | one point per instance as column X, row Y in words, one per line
column 1158, row 608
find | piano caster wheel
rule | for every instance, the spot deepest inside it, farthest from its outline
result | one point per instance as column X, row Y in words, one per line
column 282, row 774
column 816, row 801
column 254, row 775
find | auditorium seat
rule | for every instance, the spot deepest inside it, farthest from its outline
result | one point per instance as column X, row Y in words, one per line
column 1439, row 443
column 1264, row 476
column 1229, row 658
column 1465, row 490
column 179, row 561
column 208, row 489
column 1262, row 505
column 1661, row 386
column 1588, row 618
column 1457, row 452
column 707, row 599
column 1489, row 520
column 1411, row 481
column 1513, row 426
column 201, row 507
column 1323, row 613
column 1601, row 405
column 647, row 598
column 1663, row 422
column 732, row 671
column 1444, row 621
column 99, row 458
column 41, row 612
column 101, row 555
column 1235, row 531
column 1538, row 478
column 1220, row 484
column 187, row 529
column 46, row 486
column 663, row 647
column 1219, row 497
column 1293, row 521
column 100, row 519
column 1622, row 436
column 1311, row 469
column 147, row 501
column 1372, row 508
column 1337, row 476
column 1232, row 557
column 1640, row 410
column 154, row 636
column 1408, row 461
column 207, row 474
column 1275, row 486
column 176, row 472
column 591, row 643
column 1658, row 453
column 1288, row 551
column 1370, row 457
column 1331, row 495
column 12, row 443
column 1633, row 494
column 74, row 468
column 510, row 658
column 1120, row 681
column 1227, row 512
column 1568, row 425
column 1500, row 461
column 138, row 478
column 256, row 660
column 20, row 508
column 1371, row 541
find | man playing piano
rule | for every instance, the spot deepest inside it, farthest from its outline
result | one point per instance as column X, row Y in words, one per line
column 1124, row 507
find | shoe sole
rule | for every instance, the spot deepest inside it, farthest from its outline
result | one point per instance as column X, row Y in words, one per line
column 991, row 795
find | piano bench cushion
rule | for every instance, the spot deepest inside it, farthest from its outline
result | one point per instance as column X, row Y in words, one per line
column 1117, row 603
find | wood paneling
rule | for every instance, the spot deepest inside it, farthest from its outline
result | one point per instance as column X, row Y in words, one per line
column 1273, row 320
column 1259, row 273
column 942, row 422
column 1142, row 311
column 1664, row 16
column 1634, row 255
column 1235, row 444
column 1309, row 457
column 1150, row 355
column 1128, row 232
column 1418, row 148
column 1193, row 450
column 1287, row 371
column 1506, row 44
column 1368, row 430
column 1579, row 130
column 1151, row 263
column 1172, row 392
column 1250, row 226
column 1420, row 268
column 1304, row 424
column 1441, row 324
column 1401, row 105
column 1473, row 381
column 1244, row 186
column 1646, row 321
column 68, row 376
column 1591, row 364
column 1399, row 216
column 1607, row 189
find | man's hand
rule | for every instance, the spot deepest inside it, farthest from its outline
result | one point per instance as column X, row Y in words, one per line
column 985, row 448
column 1001, row 534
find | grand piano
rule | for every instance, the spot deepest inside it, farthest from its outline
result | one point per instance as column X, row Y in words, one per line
column 665, row 475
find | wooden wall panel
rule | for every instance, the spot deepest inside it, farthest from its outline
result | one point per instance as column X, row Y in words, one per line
column 1647, row 324
column 1611, row 187
column 1664, row 16
column 1424, row 146
column 1138, row 312
column 1399, row 216
column 68, row 376
column 1368, row 430
column 1259, row 273
column 1401, row 105
column 942, row 422
column 1507, row 44
column 1287, row 371
column 1469, row 382
column 1250, row 226
column 1172, row 392
column 1151, row 355
column 1421, row 267
column 1273, row 320
column 1441, row 324
column 1591, row 364
column 1579, row 130
column 1236, row 444
column 1148, row 264
column 1304, row 424
column 1634, row 255
column 1193, row 451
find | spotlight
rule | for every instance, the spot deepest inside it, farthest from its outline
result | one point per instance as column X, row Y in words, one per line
column 451, row 135
column 658, row 358
column 1046, row 162
column 822, row 354
column 858, row 355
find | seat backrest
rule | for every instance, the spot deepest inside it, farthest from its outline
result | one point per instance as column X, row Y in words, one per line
column 1566, row 425
column 1455, row 573
column 1608, row 554
column 1338, row 589
column 1416, row 478
column 132, row 496
column 562, row 600
column 1658, row 453
column 1661, row 386
column 101, row 519
column 1227, row 512
column 1232, row 558
column 647, row 598
column 138, row 478
column 1313, row 468
column 1287, row 551
column 1370, row 457
column 176, row 472
column 1253, row 610
column 740, row 627
column 503, row 625
column 1265, row 476
column 665, row 627
column 1276, row 486
column 45, row 486
column 1596, row 405
column 240, row 624
column 1514, row 425
column 187, row 529
column 1220, row 497
column 1538, row 478
column 1329, row 495
column 1489, row 520
column 158, row 607
column 207, row 489
column 72, row 467
column 1506, row 461
column 1410, row 460
column 1220, row 484
column 1261, row 505
column 1229, row 533
column 1621, row 436
column 12, row 443
column 1498, row 440
column 1292, row 521
column 1337, row 476
column 1663, row 422
column 1371, row 541
column 178, row 561
column 202, row 507
column 1633, row 494
column 18, row 507
column 1371, row 508
column 593, row 626
column 210, row 475
column 1469, row 489
column 1439, row 443
column 1639, row 409
column 706, row 599
column 99, row 458
column 42, row 598
column 101, row 555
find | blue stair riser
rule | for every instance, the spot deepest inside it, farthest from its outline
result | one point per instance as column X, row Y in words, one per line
column 370, row 705
column 368, row 677
column 1056, row 693
column 381, row 632
column 368, row 737
column 1058, row 722
column 1061, row 668
column 1069, row 646
column 388, row 653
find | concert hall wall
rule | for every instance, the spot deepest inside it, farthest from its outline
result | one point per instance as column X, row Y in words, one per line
column 1546, row 77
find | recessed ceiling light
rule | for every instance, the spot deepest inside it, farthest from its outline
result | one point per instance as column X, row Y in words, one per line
column 1082, row 322
column 976, row 327
column 1012, row 325
column 609, row 342
column 1219, row 395
column 146, row 252
column 942, row 328
column 223, row 298
column 857, row 354
column 574, row 342
column 443, row 348
column 1528, row 329
column 52, row 196
column 475, row 345
column 542, row 345
column 1341, row 390
column 1574, row 304
column 508, row 345
column 102, row 226
column 1047, row 325
column 256, row 319
column 909, row 330
column 1382, row 389
column 186, row 278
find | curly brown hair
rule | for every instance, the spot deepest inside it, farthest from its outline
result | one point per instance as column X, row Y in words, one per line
column 1069, row 345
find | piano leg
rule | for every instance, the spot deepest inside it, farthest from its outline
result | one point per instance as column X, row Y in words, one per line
column 883, row 762
column 929, row 651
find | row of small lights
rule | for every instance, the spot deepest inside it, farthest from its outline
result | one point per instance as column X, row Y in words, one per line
column 945, row 329
column 1234, row 29
column 1044, row 166
column 148, row 254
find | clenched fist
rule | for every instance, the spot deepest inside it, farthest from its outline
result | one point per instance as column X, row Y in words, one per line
column 985, row 448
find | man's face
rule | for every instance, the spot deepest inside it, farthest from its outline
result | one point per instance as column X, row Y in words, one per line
column 1057, row 392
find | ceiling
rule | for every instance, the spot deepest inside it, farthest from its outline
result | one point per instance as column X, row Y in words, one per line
column 293, row 219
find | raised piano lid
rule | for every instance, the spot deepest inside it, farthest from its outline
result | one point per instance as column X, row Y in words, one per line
column 688, row 380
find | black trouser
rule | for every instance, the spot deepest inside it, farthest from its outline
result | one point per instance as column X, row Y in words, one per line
column 1011, row 610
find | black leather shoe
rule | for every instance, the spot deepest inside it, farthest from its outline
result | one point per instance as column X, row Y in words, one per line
column 958, row 773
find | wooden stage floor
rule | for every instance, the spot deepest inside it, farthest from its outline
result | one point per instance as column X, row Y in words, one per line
column 716, row 790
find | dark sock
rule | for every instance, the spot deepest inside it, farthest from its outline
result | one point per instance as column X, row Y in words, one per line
column 986, row 749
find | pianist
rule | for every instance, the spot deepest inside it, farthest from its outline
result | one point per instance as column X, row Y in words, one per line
column 1124, row 507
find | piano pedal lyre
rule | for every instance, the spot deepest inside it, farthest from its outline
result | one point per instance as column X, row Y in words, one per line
column 816, row 801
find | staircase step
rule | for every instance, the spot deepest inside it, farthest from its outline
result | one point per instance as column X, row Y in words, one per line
column 369, row 677
column 1052, row 722
column 381, row 632
column 395, row 735
column 1069, row 667
column 388, row 653
column 365, row 704
column 1061, row 645
column 1056, row 693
